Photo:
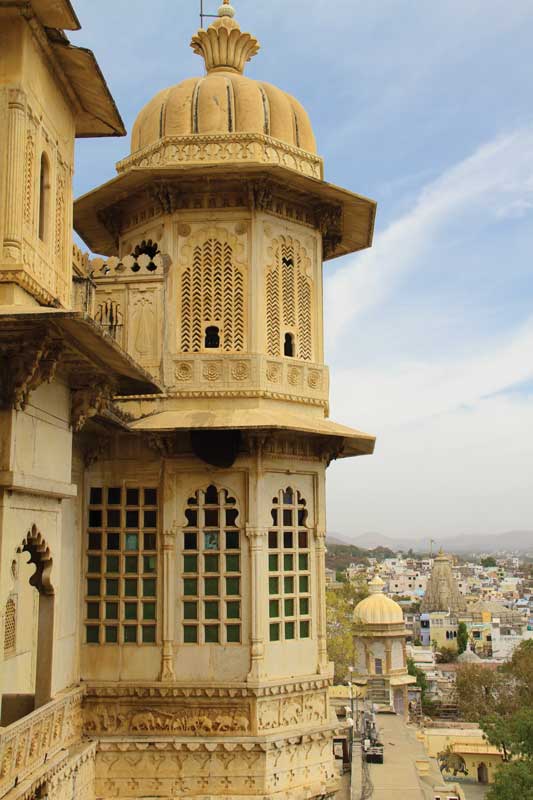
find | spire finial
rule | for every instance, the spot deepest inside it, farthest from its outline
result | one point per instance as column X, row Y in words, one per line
column 226, row 10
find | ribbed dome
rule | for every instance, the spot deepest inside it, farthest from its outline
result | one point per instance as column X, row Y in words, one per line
column 377, row 608
column 224, row 101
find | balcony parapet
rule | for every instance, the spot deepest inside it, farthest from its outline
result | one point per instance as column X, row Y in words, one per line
column 36, row 738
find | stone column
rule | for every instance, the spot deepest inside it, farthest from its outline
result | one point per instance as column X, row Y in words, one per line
column 14, row 181
column 388, row 657
column 168, row 601
column 257, row 539
column 320, row 552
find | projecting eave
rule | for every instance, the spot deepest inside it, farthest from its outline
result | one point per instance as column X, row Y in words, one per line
column 350, row 442
column 55, row 14
column 357, row 213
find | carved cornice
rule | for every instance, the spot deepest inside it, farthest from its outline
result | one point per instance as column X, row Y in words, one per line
column 20, row 276
column 22, row 370
column 89, row 401
column 154, row 691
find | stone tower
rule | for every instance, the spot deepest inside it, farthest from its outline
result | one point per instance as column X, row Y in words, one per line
column 442, row 592
column 204, row 649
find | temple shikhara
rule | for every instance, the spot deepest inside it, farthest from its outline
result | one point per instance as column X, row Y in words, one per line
column 165, row 430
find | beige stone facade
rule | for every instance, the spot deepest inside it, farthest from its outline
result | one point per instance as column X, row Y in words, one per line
column 164, row 431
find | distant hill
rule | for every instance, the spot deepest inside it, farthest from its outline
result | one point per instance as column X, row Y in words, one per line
column 510, row 541
column 340, row 556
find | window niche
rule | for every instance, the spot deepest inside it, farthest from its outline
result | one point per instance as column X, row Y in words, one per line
column 44, row 199
column 212, row 338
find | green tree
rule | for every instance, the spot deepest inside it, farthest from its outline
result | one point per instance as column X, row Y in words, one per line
column 512, row 782
column 446, row 655
column 340, row 604
column 462, row 637
column 488, row 562
column 513, row 735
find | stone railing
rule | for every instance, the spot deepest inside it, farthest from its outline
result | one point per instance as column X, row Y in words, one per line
column 28, row 743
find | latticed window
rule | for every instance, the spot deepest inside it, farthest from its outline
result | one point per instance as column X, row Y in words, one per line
column 10, row 630
column 211, row 567
column 213, row 297
column 121, row 567
column 289, row 302
column 289, row 568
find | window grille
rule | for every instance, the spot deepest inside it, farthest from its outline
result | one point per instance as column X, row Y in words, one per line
column 10, row 629
column 289, row 301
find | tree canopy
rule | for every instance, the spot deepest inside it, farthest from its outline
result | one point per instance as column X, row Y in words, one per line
column 340, row 604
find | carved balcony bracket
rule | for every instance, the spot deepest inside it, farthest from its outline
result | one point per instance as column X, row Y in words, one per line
column 89, row 401
column 22, row 370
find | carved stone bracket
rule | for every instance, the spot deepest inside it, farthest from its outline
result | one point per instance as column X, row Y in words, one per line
column 95, row 449
column 261, row 194
column 21, row 372
column 111, row 220
column 329, row 223
column 166, row 195
column 89, row 401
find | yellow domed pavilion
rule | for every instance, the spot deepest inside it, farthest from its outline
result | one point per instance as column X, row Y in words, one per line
column 379, row 648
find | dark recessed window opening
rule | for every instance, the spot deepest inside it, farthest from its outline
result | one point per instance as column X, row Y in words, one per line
column 288, row 346
column 44, row 198
column 212, row 337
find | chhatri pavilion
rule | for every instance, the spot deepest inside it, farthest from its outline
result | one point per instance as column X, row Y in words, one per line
column 165, row 430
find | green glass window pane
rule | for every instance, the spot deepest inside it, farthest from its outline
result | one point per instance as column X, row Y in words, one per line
column 93, row 587
column 211, row 609
column 111, row 610
column 95, row 541
column 111, row 634
column 233, row 563
column 304, row 605
column 211, row 634
column 232, row 540
column 211, row 586
column 303, row 561
column 288, row 562
column 130, row 587
column 272, row 540
column 93, row 610
column 289, row 630
column 150, row 497
column 132, row 541
column 131, row 564
column 190, row 634
column 273, row 585
column 95, row 518
column 150, row 541
column 148, row 634
column 289, row 608
column 304, row 629
column 112, row 564
column 150, row 519
column 94, row 564
column 190, row 563
column 92, row 634
column 148, row 610
column 95, row 498
column 190, row 586
column 190, row 541
column 190, row 610
column 211, row 563
column 132, row 497
column 273, row 562
column 304, row 583
column 233, row 633
column 111, row 587
column 130, row 610
column 149, row 563
column 288, row 585
column 274, row 632
column 130, row 634
column 273, row 608
column 233, row 609
column 149, row 585
column 233, row 586
column 211, row 540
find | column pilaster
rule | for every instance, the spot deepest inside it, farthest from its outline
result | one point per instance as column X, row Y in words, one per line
column 257, row 539
column 168, row 600
column 320, row 554
column 14, row 183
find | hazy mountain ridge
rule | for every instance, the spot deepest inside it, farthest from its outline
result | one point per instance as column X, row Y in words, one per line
column 519, row 541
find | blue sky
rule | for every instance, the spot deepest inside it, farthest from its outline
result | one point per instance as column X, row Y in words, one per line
column 428, row 109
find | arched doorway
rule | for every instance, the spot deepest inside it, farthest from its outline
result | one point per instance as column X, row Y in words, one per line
column 482, row 773
column 28, row 631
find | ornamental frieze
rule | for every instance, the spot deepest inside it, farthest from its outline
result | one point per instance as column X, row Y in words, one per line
column 117, row 719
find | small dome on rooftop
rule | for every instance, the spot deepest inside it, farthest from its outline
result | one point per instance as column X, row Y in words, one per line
column 377, row 608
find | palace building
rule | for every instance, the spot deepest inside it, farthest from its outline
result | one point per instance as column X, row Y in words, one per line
column 165, row 430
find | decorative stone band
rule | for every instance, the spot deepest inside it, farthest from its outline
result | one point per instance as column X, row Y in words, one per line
column 252, row 148
column 27, row 744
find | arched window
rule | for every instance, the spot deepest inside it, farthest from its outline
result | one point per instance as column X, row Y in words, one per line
column 211, row 608
column 289, row 568
column 288, row 347
column 212, row 337
column 44, row 198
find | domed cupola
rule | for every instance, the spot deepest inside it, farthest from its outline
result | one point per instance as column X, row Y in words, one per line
column 377, row 608
column 224, row 102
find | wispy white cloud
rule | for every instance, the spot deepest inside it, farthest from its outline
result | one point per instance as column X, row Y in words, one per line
column 494, row 183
